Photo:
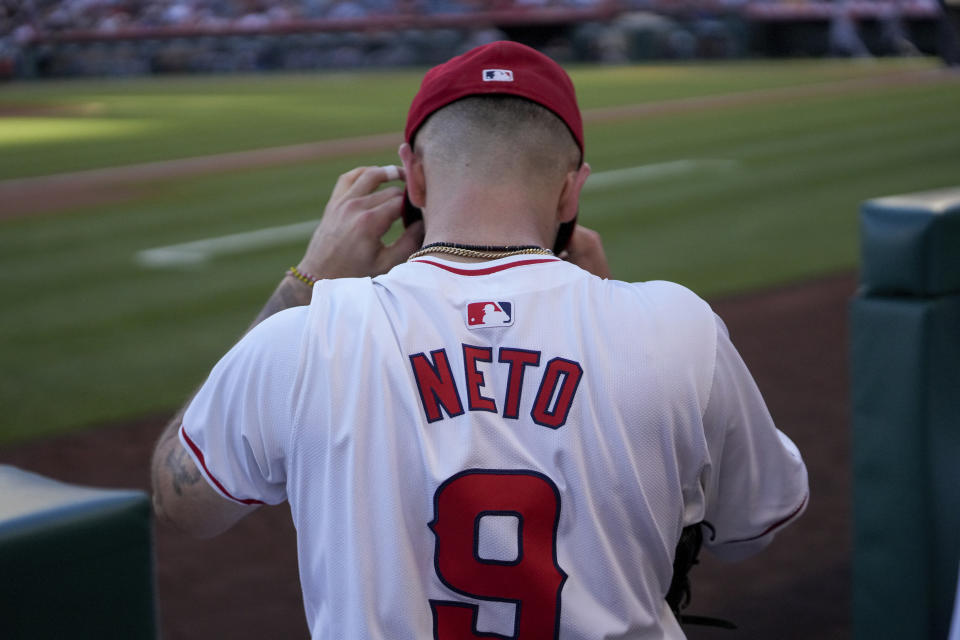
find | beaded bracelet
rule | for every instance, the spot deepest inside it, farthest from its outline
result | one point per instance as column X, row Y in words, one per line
column 302, row 276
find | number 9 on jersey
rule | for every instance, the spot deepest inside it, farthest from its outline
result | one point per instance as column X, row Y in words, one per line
column 519, row 511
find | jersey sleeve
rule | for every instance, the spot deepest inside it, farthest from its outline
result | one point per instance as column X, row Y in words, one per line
column 237, row 426
column 756, row 482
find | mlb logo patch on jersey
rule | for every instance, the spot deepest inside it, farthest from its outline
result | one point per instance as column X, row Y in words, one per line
column 489, row 314
column 497, row 75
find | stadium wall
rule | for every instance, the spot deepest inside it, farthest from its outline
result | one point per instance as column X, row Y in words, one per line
column 905, row 347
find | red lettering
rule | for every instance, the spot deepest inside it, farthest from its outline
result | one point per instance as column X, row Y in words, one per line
column 475, row 379
column 519, row 360
column 571, row 372
column 532, row 580
column 439, row 393
column 436, row 385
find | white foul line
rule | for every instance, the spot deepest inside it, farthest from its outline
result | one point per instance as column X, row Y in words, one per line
column 199, row 251
column 615, row 177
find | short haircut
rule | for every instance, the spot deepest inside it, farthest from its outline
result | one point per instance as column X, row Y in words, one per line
column 499, row 135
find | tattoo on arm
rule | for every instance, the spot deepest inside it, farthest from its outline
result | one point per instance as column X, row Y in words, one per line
column 170, row 465
column 183, row 473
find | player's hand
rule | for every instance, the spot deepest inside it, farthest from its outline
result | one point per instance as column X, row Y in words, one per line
column 348, row 241
column 586, row 251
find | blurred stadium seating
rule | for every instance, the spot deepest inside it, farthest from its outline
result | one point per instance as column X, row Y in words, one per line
column 132, row 37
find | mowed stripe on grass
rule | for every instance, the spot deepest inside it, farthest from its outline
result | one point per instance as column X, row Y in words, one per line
column 199, row 251
column 24, row 196
column 88, row 337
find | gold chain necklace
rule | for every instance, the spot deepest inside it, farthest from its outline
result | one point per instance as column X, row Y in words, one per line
column 482, row 252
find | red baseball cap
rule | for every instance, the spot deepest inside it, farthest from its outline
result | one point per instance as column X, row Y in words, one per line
column 497, row 68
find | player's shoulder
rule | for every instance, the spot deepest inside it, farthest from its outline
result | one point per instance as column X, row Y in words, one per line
column 680, row 320
column 331, row 296
column 665, row 297
column 669, row 292
column 286, row 322
column 277, row 337
column 340, row 309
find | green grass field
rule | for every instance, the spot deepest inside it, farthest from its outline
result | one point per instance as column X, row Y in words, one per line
column 753, row 194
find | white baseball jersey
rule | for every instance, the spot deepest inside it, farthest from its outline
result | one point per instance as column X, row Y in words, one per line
column 955, row 623
column 509, row 447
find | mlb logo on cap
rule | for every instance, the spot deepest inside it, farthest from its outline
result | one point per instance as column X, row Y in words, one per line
column 489, row 314
column 497, row 75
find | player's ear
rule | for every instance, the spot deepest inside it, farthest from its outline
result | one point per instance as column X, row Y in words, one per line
column 569, row 203
column 415, row 177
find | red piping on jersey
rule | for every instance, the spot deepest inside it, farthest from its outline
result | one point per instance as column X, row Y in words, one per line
column 777, row 524
column 488, row 270
column 203, row 463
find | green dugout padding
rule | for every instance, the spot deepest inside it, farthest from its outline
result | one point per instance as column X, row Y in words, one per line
column 75, row 562
column 905, row 386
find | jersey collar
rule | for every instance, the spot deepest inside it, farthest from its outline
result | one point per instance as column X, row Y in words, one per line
column 487, row 267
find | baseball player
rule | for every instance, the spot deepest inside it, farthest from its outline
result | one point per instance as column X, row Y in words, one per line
column 479, row 433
